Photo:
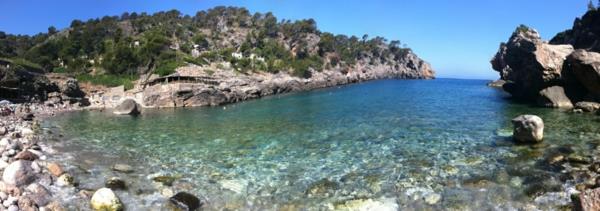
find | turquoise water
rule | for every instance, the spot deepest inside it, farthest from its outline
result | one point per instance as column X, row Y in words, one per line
column 399, row 140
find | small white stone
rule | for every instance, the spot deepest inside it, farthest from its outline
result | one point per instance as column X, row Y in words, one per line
column 3, row 196
column 13, row 208
column 432, row 198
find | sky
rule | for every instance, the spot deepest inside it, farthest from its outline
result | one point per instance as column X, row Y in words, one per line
column 458, row 37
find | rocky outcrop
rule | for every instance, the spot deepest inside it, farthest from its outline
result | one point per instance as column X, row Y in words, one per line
column 528, row 129
column 585, row 33
column 21, row 85
column 586, row 68
column 588, row 106
column 551, row 74
column 127, row 107
column 231, row 87
column 554, row 97
column 528, row 64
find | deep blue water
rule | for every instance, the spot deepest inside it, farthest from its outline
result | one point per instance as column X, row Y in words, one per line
column 394, row 140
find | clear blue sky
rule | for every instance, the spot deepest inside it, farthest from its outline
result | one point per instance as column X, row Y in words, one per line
column 458, row 37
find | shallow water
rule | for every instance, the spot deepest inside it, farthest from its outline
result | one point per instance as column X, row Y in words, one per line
column 398, row 140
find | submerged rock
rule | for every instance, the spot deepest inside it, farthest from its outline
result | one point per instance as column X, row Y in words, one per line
column 432, row 198
column 115, row 183
column 528, row 128
column 18, row 173
column 124, row 168
column 367, row 204
column 321, row 187
column 128, row 107
column 104, row 199
column 186, row 201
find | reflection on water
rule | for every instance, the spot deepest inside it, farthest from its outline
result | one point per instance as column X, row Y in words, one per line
column 418, row 144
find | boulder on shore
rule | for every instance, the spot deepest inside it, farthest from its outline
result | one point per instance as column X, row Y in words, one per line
column 128, row 107
column 589, row 200
column 528, row 129
column 528, row 64
column 105, row 199
column 18, row 173
column 554, row 97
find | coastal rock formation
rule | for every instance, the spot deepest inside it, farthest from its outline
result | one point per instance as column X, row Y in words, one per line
column 585, row 33
column 105, row 199
column 528, row 128
column 554, row 97
column 127, row 107
column 534, row 69
column 586, row 68
column 528, row 64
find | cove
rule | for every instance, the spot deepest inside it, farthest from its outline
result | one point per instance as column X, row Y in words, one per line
column 404, row 142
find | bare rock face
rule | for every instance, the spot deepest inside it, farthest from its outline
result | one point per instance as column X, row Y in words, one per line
column 127, row 107
column 529, row 64
column 528, row 129
column 554, row 97
column 230, row 87
column 586, row 68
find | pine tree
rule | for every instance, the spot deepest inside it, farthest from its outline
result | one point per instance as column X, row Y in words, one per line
column 591, row 6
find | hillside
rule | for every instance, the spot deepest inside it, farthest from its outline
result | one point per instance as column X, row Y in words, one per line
column 116, row 51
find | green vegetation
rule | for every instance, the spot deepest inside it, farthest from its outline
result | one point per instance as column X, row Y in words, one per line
column 133, row 44
column 109, row 80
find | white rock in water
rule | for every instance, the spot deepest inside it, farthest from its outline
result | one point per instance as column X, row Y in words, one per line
column 367, row 205
column 106, row 200
column 528, row 128
column 432, row 198
column 237, row 186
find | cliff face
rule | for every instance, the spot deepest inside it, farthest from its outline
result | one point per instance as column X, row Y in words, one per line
column 559, row 73
column 585, row 33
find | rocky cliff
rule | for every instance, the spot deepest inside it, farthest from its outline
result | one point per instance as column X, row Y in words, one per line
column 228, row 86
column 560, row 73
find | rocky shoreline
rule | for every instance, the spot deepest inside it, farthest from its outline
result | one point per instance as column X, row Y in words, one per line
column 29, row 179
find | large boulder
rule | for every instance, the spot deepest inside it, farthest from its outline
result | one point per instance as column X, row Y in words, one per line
column 128, row 107
column 18, row 173
column 586, row 68
column 554, row 97
column 105, row 199
column 528, row 129
column 529, row 64
column 70, row 88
